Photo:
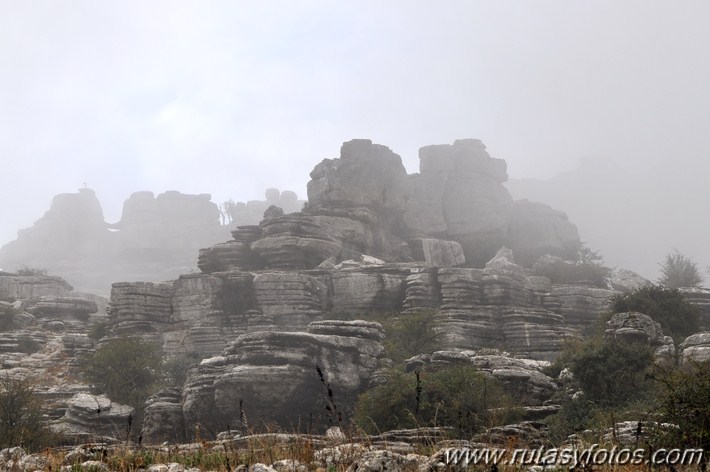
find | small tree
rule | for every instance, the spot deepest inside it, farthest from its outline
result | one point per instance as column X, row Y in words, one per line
column 680, row 271
column 126, row 370
column 457, row 396
column 21, row 419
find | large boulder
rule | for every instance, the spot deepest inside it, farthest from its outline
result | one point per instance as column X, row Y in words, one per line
column 459, row 193
column 537, row 229
column 696, row 348
column 368, row 180
column 285, row 378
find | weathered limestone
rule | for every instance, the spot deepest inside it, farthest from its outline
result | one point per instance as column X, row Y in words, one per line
column 92, row 417
column 580, row 305
column 163, row 418
column 537, row 229
column 28, row 287
column 437, row 253
column 272, row 376
column 522, row 378
column 501, row 307
column 695, row 348
column 369, row 288
column 459, row 193
column 700, row 298
column 290, row 300
column 633, row 327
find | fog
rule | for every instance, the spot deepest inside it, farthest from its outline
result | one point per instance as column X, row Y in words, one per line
column 599, row 98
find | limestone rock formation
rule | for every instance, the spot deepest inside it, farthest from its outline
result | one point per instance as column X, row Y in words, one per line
column 163, row 419
column 459, row 193
column 536, row 229
column 700, row 299
column 522, row 378
column 156, row 239
column 626, row 281
column 695, row 348
column 252, row 212
column 633, row 327
column 272, row 376
column 91, row 417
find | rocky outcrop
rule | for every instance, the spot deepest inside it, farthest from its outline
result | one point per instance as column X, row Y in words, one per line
column 273, row 376
column 369, row 288
column 633, row 327
column 29, row 287
column 437, row 253
column 695, row 348
column 252, row 212
column 626, row 281
column 459, row 193
column 580, row 305
column 522, row 378
column 163, row 419
column 536, row 229
column 500, row 307
column 156, row 239
column 700, row 299
column 92, row 417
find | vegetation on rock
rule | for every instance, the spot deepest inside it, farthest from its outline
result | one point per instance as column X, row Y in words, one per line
column 677, row 317
column 21, row 419
column 457, row 396
column 680, row 271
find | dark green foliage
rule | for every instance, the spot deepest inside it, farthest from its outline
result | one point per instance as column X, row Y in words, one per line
column 679, row 271
column 677, row 317
column 457, row 396
column 588, row 267
column 98, row 330
column 410, row 334
column 611, row 373
column 174, row 369
column 609, row 380
column 126, row 370
column 21, row 420
column 686, row 403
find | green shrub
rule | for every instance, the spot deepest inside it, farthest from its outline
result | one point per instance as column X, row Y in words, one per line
column 21, row 419
column 407, row 335
column 679, row 271
column 685, row 403
column 588, row 267
column 98, row 330
column 677, row 317
column 126, row 370
column 458, row 396
column 610, row 381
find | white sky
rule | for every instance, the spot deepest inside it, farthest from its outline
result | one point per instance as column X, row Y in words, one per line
column 230, row 98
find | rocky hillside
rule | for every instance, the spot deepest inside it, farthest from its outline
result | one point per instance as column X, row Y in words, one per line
column 275, row 320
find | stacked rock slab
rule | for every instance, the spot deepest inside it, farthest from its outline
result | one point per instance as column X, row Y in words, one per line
column 700, row 298
column 498, row 307
column 274, row 376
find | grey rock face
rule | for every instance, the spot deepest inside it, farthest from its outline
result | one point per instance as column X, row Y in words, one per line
column 91, row 417
column 368, row 179
column 163, row 420
column 696, row 348
column 635, row 327
column 369, row 289
column 522, row 378
column 700, row 298
column 459, row 193
column 536, row 229
column 28, row 287
column 499, row 306
column 271, row 376
column 580, row 305
column 626, row 281
column 437, row 253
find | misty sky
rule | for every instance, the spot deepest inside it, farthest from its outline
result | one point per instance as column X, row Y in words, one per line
column 232, row 97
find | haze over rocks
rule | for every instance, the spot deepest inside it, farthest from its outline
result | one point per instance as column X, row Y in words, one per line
column 273, row 315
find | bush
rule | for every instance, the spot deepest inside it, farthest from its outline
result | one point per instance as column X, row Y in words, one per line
column 98, row 330
column 609, row 380
column 410, row 334
column 686, row 404
column 126, row 370
column 457, row 396
column 21, row 419
column 677, row 317
column 588, row 267
column 679, row 271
